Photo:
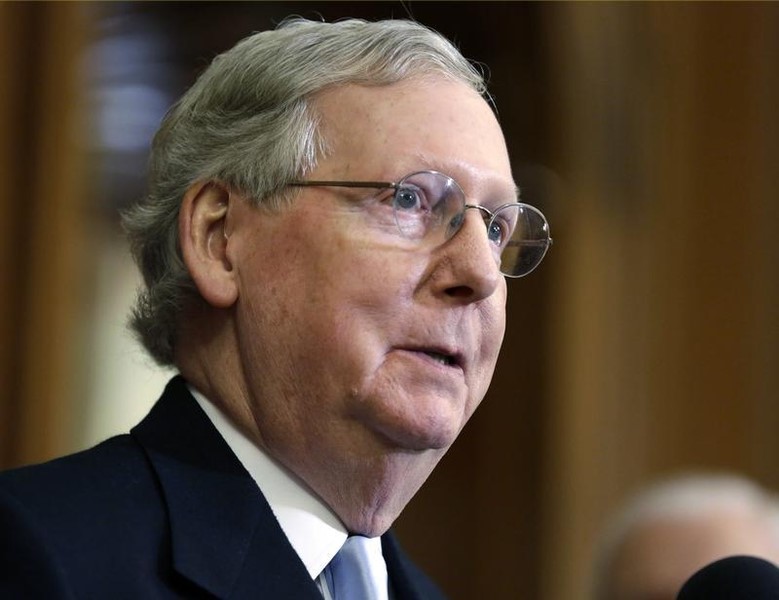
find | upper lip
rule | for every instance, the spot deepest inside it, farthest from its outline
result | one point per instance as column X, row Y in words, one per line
column 454, row 355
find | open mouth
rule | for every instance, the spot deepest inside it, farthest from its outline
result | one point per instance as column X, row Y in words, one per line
column 445, row 359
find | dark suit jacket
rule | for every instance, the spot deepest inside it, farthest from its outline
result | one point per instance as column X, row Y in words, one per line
column 167, row 511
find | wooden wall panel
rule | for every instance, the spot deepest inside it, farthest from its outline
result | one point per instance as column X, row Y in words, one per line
column 44, row 202
column 665, row 310
column 13, row 22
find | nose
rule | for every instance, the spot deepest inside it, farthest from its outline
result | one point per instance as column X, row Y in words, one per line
column 468, row 270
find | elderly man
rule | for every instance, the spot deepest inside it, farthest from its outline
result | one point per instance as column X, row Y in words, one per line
column 330, row 217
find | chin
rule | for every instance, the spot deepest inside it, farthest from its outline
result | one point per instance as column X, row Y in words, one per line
column 438, row 440
column 434, row 432
column 373, row 526
column 371, row 506
column 373, row 523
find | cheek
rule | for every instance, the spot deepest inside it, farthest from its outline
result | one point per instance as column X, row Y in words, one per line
column 327, row 313
column 494, row 327
column 362, row 282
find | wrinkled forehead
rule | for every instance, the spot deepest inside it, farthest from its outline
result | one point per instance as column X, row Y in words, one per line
column 416, row 124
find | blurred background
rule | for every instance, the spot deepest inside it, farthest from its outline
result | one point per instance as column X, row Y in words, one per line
column 647, row 343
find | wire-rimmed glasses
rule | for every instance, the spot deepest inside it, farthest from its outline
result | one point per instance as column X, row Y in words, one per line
column 427, row 204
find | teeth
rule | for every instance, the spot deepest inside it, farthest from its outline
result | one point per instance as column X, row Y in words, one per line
column 442, row 358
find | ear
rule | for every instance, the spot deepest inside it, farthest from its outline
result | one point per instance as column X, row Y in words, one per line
column 203, row 239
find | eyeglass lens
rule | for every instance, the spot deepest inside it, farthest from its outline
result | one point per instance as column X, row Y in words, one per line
column 429, row 203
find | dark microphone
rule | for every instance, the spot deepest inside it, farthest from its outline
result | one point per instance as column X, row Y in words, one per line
column 733, row 578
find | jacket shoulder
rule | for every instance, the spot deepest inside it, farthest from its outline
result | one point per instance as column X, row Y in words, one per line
column 66, row 521
column 106, row 476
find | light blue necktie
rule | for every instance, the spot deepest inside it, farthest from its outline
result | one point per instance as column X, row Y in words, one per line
column 351, row 571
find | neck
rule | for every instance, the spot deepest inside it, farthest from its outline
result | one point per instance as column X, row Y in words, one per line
column 207, row 358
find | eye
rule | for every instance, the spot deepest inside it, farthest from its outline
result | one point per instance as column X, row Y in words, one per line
column 455, row 223
column 410, row 198
column 496, row 232
column 501, row 227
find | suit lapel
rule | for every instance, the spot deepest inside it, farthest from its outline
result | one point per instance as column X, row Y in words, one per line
column 224, row 536
column 407, row 582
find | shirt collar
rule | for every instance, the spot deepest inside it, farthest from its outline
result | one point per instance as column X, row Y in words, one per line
column 313, row 530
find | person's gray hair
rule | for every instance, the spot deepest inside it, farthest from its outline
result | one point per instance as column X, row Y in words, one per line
column 679, row 497
column 249, row 122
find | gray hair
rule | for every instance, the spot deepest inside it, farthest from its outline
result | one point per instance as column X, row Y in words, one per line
column 679, row 497
column 250, row 123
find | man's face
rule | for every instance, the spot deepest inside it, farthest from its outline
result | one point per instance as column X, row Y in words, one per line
column 342, row 323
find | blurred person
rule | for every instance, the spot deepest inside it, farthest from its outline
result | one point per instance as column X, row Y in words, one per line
column 330, row 217
column 672, row 529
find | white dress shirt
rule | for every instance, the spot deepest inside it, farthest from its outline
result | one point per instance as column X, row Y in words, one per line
column 313, row 529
